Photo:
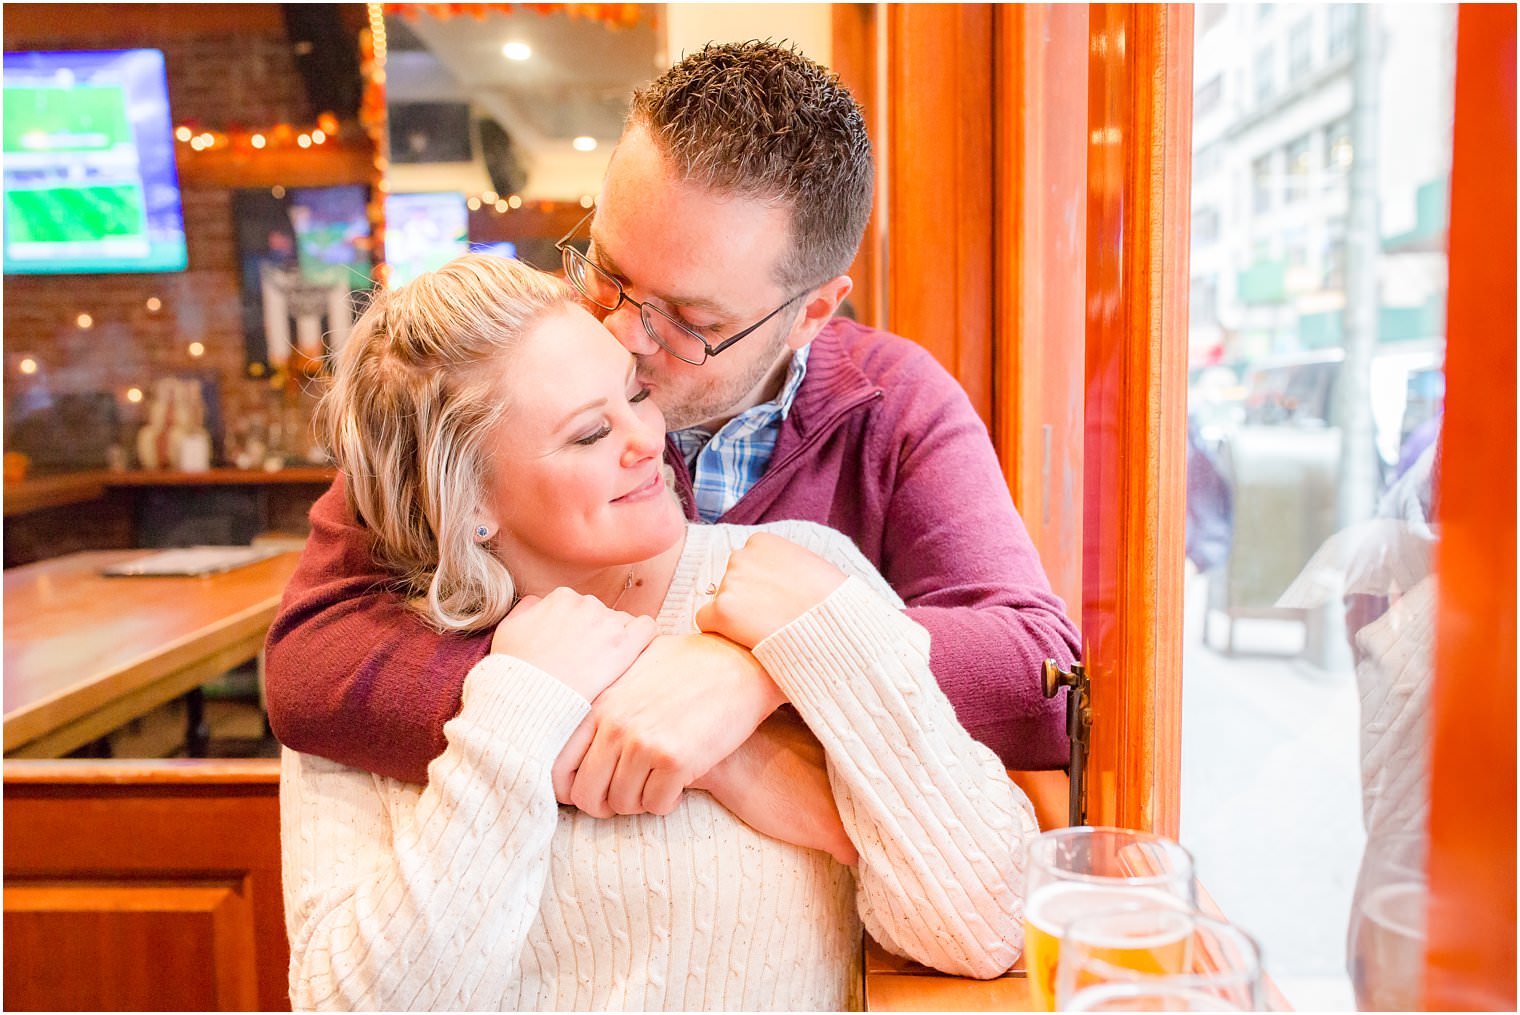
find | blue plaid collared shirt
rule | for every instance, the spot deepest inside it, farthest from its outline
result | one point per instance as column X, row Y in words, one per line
column 724, row 465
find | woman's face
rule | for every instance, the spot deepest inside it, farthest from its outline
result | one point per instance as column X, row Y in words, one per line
column 577, row 479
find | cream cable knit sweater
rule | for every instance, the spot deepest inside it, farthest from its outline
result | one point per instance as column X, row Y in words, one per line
column 480, row 892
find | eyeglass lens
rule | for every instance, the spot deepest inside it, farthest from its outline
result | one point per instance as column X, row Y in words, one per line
column 605, row 292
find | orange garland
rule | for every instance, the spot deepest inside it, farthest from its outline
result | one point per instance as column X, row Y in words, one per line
column 612, row 15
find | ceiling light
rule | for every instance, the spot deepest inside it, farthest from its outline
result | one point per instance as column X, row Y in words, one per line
column 517, row 51
column 584, row 144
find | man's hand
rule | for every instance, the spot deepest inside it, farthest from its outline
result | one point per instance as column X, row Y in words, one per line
column 778, row 784
column 770, row 582
column 684, row 705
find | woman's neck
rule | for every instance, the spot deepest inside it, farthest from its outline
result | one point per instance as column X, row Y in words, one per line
column 638, row 588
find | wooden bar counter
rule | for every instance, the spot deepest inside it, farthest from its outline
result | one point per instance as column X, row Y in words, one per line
column 86, row 653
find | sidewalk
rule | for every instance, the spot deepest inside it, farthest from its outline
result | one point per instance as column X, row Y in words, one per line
column 1271, row 797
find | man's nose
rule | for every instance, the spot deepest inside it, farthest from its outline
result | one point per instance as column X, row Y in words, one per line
column 627, row 326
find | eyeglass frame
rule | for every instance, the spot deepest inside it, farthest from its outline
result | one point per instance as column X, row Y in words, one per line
column 645, row 307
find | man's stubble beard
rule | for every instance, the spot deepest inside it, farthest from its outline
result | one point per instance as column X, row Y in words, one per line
column 711, row 400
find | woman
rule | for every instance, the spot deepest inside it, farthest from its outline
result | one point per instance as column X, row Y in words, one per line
column 495, row 439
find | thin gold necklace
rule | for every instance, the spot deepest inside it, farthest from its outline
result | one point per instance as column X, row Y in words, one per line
column 628, row 583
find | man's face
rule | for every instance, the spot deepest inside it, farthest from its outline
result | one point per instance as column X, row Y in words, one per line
column 709, row 261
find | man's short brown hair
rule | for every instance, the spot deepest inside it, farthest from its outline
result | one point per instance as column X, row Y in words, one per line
column 761, row 120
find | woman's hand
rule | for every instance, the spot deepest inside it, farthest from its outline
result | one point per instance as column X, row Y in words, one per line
column 777, row 783
column 574, row 638
column 770, row 582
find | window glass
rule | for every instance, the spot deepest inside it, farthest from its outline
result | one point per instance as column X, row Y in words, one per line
column 1300, row 48
column 1266, row 83
column 1316, row 347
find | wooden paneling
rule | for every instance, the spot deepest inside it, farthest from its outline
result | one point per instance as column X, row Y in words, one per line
column 131, row 933
column 1139, row 158
column 143, row 885
column 854, row 60
column 939, row 156
column 1039, row 258
column 1472, row 818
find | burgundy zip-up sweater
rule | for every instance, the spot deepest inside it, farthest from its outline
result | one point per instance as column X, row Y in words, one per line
column 881, row 443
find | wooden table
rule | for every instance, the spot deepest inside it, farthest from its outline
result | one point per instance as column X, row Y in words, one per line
column 85, row 654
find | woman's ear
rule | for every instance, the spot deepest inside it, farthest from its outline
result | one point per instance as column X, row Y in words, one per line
column 819, row 308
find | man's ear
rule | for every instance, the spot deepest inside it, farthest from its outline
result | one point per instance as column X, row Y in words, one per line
column 820, row 306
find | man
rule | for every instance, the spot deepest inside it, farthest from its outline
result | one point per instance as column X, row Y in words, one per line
column 731, row 210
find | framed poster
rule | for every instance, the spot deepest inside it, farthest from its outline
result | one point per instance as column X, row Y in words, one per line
column 304, row 258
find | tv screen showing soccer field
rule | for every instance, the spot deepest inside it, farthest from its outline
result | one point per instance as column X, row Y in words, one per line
column 90, row 180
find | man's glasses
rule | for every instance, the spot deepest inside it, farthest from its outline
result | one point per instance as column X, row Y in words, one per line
column 607, row 294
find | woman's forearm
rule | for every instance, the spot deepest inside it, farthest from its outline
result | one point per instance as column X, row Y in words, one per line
column 382, row 880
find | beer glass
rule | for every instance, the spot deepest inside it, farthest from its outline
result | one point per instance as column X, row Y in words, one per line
column 1071, row 872
column 1159, row 949
column 1387, row 937
column 1159, row 995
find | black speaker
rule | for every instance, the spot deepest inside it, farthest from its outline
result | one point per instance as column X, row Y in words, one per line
column 500, row 156
column 327, row 58
column 429, row 132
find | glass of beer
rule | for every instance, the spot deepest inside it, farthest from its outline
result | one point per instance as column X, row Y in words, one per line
column 1151, row 997
column 1387, row 937
column 1072, row 872
column 1161, row 948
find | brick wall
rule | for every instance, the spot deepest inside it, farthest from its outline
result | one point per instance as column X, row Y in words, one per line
column 227, row 65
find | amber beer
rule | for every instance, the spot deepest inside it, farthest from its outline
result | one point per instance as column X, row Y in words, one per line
column 1055, row 905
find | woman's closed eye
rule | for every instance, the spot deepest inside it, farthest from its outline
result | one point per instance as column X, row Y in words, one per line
column 606, row 428
column 594, row 436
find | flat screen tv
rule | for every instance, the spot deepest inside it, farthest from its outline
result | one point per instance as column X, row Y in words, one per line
column 90, row 181
column 423, row 232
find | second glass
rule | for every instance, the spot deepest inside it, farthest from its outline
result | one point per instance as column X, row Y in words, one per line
column 1073, row 872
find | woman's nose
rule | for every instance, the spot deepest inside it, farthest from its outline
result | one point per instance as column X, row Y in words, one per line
column 646, row 439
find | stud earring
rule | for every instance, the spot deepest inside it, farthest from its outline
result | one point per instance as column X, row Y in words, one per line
column 481, row 532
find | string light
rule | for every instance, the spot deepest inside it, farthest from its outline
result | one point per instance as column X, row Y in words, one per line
column 514, row 202
column 280, row 135
column 28, row 366
column 197, row 350
column 134, row 395
column 85, row 321
column 154, row 304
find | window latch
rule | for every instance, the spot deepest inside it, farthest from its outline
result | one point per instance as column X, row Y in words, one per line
column 1078, row 728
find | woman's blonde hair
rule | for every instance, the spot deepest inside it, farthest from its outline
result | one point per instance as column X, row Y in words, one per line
column 415, row 399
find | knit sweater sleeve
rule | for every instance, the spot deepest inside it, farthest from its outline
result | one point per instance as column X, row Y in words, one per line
column 391, row 892
column 938, row 825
